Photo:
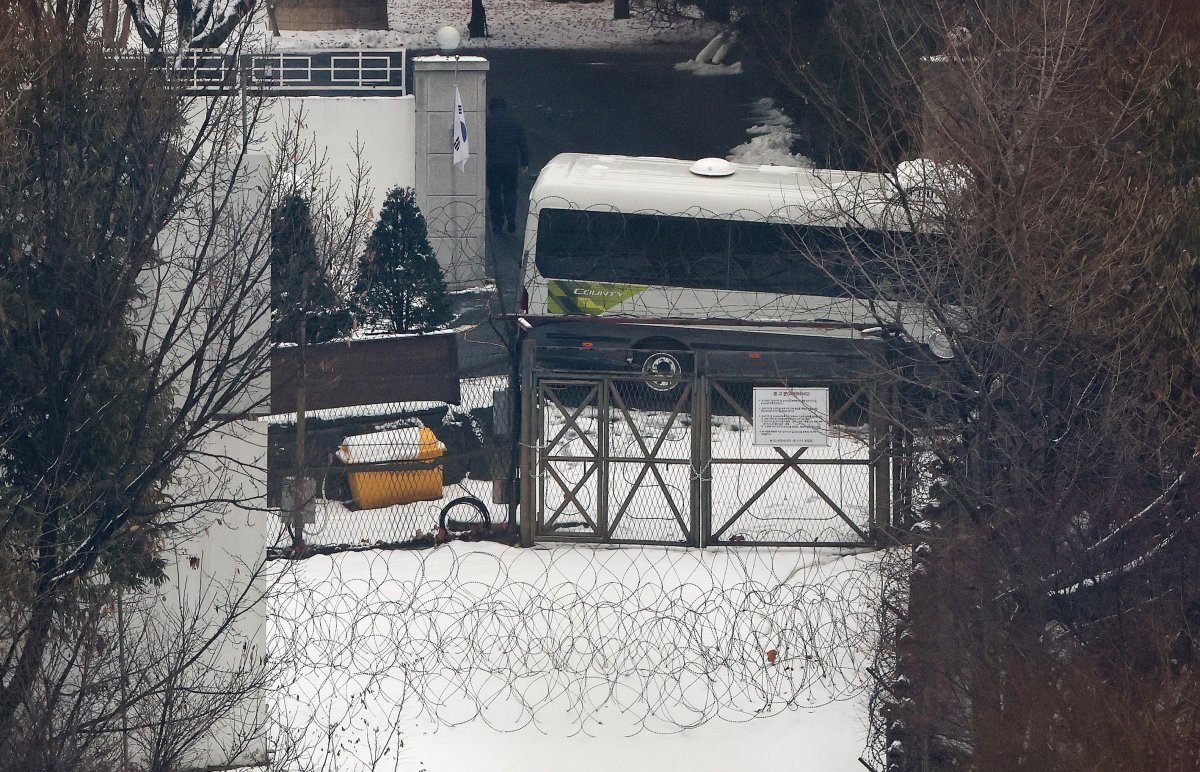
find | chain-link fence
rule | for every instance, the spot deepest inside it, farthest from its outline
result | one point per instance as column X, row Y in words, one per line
column 692, row 447
column 397, row 474
column 677, row 458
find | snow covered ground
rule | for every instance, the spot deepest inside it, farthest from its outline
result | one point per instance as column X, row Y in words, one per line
column 771, row 139
column 485, row 657
column 511, row 24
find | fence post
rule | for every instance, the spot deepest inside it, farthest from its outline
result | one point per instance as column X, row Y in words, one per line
column 300, row 490
column 701, row 462
column 525, row 477
column 881, row 464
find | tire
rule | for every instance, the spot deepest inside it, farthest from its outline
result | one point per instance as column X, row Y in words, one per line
column 447, row 521
column 670, row 360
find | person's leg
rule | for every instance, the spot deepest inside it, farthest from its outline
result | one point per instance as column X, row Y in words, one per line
column 507, row 182
column 495, row 197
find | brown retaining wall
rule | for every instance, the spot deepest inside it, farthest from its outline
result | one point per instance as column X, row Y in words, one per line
column 331, row 14
column 367, row 372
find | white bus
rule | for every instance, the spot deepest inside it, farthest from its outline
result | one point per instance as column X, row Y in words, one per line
column 654, row 257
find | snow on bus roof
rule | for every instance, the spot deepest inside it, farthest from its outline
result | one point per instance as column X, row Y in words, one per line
column 668, row 186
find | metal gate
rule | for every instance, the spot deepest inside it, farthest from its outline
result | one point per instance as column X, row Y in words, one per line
column 627, row 458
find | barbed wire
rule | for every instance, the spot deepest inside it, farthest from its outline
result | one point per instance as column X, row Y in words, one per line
column 576, row 639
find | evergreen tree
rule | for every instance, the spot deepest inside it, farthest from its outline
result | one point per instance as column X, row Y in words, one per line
column 130, row 261
column 299, row 282
column 400, row 284
column 83, row 423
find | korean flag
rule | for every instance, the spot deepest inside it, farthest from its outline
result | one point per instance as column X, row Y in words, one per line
column 462, row 148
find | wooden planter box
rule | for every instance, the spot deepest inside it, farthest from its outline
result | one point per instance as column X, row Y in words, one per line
column 368, row 372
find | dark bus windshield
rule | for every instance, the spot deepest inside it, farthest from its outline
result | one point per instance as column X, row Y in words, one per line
column 703, row 253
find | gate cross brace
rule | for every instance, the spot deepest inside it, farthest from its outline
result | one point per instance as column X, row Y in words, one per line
column 572, row 496
column 790, row 461
column 651, row 456
column 571, row 418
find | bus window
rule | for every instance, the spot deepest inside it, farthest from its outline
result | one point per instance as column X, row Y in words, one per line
column 707, row 253
column 628, row 248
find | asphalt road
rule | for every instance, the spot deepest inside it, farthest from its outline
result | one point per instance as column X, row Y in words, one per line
column 600, row 101
column 621, row 102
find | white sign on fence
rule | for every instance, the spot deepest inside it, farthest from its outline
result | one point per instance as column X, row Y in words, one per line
column 797, row 418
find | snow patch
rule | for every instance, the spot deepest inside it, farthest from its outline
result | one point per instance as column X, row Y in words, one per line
column 707, row 68
column 771, row 139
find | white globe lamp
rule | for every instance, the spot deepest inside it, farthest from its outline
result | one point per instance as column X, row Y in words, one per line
column 448, row 39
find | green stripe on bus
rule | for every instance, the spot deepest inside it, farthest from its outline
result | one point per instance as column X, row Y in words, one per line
column 587, row 298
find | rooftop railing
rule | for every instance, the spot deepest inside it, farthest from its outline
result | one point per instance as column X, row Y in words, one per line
column 296, row 73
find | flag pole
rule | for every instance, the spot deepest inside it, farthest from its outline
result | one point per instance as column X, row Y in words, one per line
column 448, row 39
column 457, row 167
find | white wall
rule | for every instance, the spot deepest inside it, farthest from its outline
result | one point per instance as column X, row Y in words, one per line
column 211, row 600
column 196, row 645
column 206, row 302
column 385, row 127
column 203, row 629
column 406, row 142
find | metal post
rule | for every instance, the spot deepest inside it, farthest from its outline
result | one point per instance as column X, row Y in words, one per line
column 881, row 462
column 300, row 484
column 602, row 445
column 701, row 462
column 524, row 402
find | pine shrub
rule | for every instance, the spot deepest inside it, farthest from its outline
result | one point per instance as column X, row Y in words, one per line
column 401, row 287
column 299, row 282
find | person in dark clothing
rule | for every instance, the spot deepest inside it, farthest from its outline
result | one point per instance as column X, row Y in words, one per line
column 507, row 153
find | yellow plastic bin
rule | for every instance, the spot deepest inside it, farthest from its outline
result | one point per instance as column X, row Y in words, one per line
column 380, row 489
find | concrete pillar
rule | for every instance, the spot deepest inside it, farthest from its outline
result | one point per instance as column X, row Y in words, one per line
column 452, row 198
